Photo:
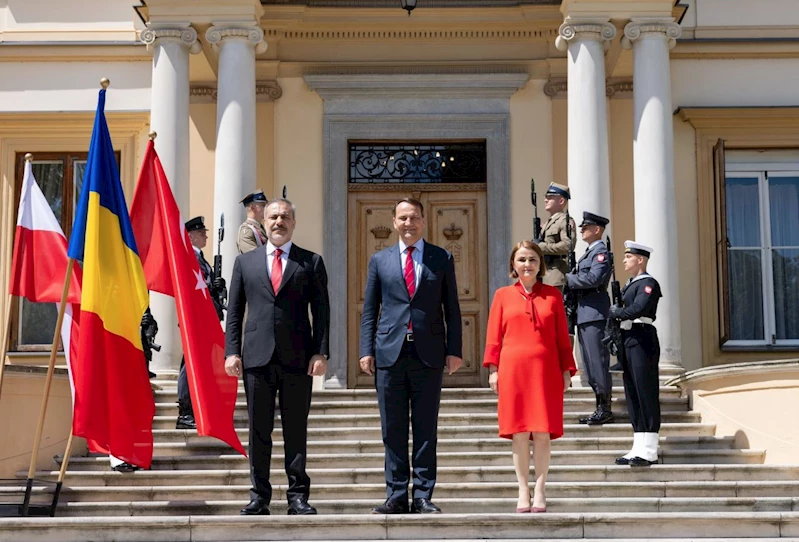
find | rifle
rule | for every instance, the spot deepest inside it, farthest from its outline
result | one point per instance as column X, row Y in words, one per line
column 536, row 220
column 149, row 329
column 613, row 340
column 569, row 296
column 221, row 295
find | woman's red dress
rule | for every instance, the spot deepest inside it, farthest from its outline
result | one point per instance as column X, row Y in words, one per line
column 528, row 339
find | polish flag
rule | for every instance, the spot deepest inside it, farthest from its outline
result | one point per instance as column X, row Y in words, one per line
column 40, row 261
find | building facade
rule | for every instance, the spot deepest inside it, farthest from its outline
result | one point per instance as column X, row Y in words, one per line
column 680, row 122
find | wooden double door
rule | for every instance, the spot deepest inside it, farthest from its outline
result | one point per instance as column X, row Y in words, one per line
column 455, row 220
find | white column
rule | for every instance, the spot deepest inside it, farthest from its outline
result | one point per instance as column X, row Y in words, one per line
column 234, row 170
column 588, row 161
column 169, row 117
column 653, row 159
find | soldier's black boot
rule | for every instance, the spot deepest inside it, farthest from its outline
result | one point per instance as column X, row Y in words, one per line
column 585, row 419
column 603, row 414
column 185, row 416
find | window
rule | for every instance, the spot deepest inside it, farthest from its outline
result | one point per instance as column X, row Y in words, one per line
column 375, row 162
column 60, row 177
column 760, row 246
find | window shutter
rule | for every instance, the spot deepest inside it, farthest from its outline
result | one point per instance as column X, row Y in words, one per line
column 722, row 241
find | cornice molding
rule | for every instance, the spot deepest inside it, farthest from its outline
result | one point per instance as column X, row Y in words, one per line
column 755, row 369
column 635, row 30
column 416, row 70
column 254, row 35
column 488, row 85
column 748, row 118
column 399, row 34
column 265, row 91
column 183, row 35
column 556, row 88
column 620, row 88
column 602, row 32
column 202, row 94
column 614, row 88
column 427, row 3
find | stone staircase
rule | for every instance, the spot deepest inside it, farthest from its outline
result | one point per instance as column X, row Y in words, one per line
column 704, row 487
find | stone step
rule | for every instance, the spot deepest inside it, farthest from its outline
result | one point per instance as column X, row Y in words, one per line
column 612, row 430
column 451, row 505
column 494, row 490
column 205, row 445
column 103, row 476
column 362, row 527
column 168, row 394
column 623, row 525
column 445, row 459
column 448, row 406
column 373, row 420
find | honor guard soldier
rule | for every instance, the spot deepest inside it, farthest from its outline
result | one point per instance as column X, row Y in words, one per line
column 252, row 233
column 589, row 282
column 198, row 234
column 555, row 243
column 642, row 348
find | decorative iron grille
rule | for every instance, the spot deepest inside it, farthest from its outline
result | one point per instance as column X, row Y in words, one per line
column 377, row 163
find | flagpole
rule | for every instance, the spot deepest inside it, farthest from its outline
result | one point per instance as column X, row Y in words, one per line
column 50, row 369
column 7, row 327
column 65, row 460
column 4, row 345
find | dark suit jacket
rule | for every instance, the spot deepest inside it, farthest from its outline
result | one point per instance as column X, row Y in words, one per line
column 434, row 304
column 278, row 321
column 590, row 283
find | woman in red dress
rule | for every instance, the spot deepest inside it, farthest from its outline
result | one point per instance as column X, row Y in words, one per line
column 529, row 356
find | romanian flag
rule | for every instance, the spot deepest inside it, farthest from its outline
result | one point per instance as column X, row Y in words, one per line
column 114, row 403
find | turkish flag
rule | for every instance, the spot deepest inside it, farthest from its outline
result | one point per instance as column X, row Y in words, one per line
column 171, row 268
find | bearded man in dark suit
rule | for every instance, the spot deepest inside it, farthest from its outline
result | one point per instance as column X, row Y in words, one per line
column 279, row 284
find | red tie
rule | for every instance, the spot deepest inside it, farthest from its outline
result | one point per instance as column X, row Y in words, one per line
column 410, row 276
column 277, row 270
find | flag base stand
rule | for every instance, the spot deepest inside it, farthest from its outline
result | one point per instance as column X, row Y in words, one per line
column 28, row 498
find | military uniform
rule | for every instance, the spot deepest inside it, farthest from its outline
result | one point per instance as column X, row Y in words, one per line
column 590, row 284
column 642, row 348
column 555, row 243
column 251, row 232
column 185, row 408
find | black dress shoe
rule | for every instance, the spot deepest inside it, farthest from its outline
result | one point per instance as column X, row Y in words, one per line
column 125, row 467
column 424, row 506
column 391, row 506
column 186, row 422
column 300, row 507
column 640, row 462
column 256, row 507
column 616, row 368
column 622, row 461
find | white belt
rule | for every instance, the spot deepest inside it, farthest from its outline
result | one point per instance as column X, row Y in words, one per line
column 628, row 324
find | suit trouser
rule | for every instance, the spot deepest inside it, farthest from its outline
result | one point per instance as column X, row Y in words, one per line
column 596, row 357
column 641, row 384
column 293, row 390
column 183, row 383
column 409, row 382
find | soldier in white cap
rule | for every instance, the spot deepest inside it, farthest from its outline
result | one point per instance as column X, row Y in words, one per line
column 642, row 352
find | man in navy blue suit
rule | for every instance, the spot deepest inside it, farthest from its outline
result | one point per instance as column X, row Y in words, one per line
column 411, row 287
